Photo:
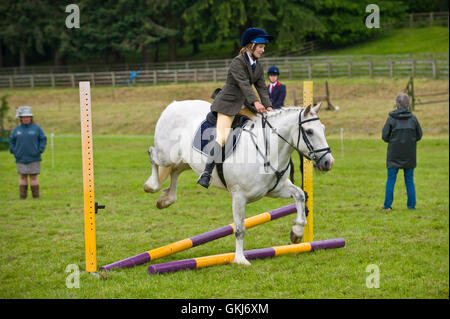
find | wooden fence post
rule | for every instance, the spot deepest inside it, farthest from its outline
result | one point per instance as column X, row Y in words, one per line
column 32, row 81
column 391, row 68
column 52, row 79
column 433, row 66
column 113, row 79
column 370, row 67
column 349, row 67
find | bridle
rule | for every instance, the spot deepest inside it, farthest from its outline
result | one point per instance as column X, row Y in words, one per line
column 312, row 153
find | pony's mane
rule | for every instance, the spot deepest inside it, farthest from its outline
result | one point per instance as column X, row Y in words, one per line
column 283, row 109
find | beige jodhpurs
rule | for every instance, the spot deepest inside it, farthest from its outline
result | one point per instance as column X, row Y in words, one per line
column 224, row 122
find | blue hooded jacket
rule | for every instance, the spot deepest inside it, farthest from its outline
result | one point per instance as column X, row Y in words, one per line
column 27, row 142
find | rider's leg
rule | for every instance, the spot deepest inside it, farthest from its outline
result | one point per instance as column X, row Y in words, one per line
column 223, row 127
column 245, row 111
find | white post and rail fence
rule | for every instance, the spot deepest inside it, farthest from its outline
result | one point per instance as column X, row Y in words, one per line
column 405, row 65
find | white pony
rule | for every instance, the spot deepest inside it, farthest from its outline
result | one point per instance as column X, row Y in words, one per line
column 247, row 178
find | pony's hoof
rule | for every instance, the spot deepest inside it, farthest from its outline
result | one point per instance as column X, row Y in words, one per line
column 148, row 188
column 294, row 238
column 164, row 203
column 296, row 234
column 241, row 261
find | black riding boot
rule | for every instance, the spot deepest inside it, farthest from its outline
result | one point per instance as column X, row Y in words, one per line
column 215, row 153
column 205, row 178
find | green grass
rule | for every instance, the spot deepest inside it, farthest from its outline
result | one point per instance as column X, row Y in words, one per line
column 401, row 41
column 39, row 238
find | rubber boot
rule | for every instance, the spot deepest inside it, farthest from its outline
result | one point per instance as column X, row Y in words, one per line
column 215, row 153
column 35, row 191
column 23, row 190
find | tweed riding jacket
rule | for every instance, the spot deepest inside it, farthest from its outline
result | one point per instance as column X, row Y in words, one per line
column 238, row 89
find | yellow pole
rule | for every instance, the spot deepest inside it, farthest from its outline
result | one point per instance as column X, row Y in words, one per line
column 88, row 177
column 308, row 236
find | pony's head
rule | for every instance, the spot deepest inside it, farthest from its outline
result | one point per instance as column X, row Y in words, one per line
column 310, row 138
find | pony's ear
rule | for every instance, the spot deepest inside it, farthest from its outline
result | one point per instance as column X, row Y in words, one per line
column 317, row 107
column 307, row 110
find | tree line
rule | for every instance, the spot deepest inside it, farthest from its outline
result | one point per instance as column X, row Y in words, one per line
column 110, row 30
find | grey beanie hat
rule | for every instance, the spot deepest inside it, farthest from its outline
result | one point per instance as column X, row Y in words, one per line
column 402, row 100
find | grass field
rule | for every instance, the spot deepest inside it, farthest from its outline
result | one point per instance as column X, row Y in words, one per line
column 401, row 41
column 40, row 238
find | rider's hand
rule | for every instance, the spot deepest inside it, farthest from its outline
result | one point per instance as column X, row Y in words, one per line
column 269, row 108
column 259, row 107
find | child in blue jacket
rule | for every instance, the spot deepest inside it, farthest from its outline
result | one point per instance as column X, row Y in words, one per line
column 27, row 142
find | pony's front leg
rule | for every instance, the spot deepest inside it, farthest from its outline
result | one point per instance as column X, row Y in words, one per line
column 289, row 190
column 239, row 202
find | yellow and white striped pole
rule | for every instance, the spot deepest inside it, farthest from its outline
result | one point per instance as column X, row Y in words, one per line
column 308, row 94
column 88, row 177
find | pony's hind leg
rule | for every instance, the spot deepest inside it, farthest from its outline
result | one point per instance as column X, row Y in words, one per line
column 159, row 173
column 169, row 195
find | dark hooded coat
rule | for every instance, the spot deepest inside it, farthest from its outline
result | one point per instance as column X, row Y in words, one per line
column 402, row 131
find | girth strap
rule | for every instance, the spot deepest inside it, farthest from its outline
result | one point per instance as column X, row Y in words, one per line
column 219, row 167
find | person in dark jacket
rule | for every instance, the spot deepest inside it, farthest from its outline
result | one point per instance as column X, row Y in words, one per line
column 276, row 90
column 402, row 131
column 27, row 142
column 237, row 96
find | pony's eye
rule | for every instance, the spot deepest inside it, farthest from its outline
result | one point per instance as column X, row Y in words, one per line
column 309, row 132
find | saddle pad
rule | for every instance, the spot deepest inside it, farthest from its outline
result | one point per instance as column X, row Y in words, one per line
column 206, row 134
